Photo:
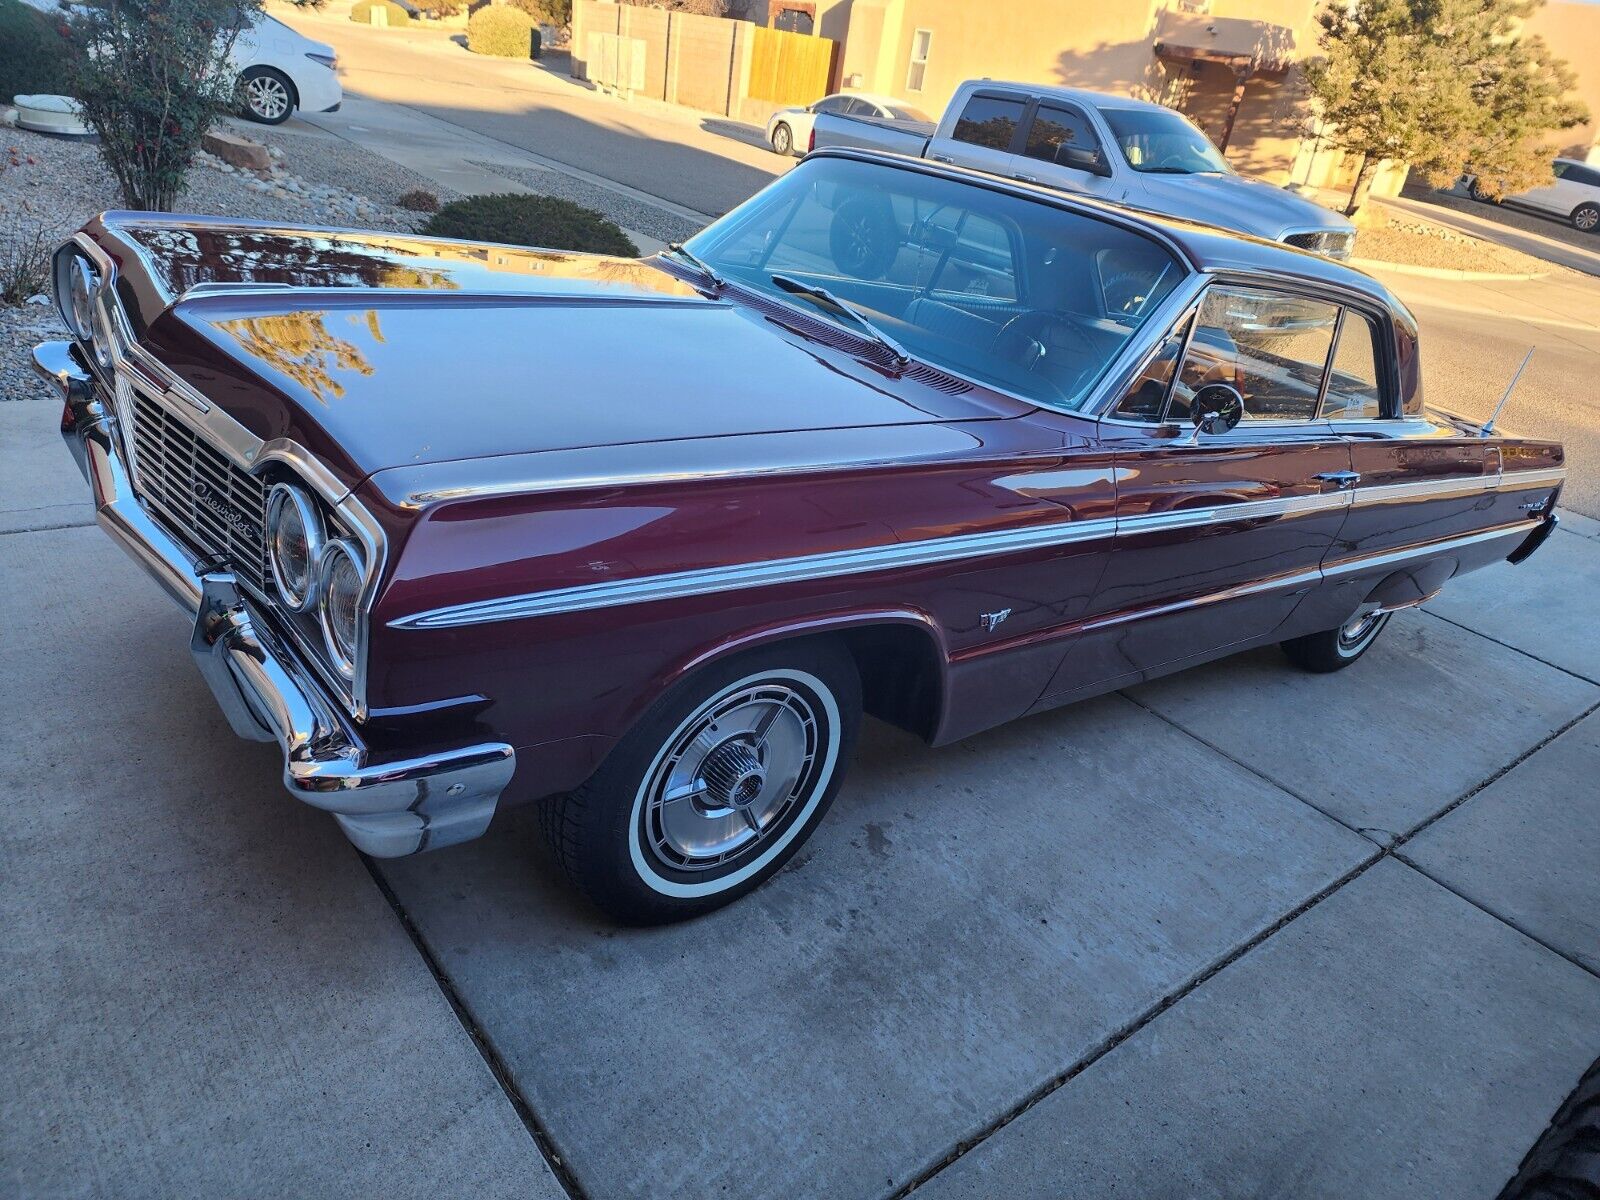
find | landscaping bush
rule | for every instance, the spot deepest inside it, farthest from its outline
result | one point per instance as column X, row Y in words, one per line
column 547, row 12
column 543, row 221
column 439, row 8
column 151, row 76
column 33, row 54
column 419, row 200
column 362, row 11
column 502, row 31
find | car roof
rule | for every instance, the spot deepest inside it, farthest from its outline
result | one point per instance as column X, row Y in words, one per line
column 1081, row 95
column 1208, row 248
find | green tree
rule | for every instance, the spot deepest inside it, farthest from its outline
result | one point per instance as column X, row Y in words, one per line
column 152, row 75
column 1445, row 85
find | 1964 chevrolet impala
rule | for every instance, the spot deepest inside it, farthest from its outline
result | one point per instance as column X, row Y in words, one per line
column 464, row 526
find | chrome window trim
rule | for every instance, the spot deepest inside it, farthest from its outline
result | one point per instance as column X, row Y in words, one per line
column 676, row 585
column 133, row 366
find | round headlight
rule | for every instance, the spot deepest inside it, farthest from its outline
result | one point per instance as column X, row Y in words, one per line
column 294, row 543
column 341, row 603
column 82, row 284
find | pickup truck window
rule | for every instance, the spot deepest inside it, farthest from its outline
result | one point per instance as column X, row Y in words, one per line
column 1163, row 142
column 989, row 121
column 1055, row 130
column 1001, row 289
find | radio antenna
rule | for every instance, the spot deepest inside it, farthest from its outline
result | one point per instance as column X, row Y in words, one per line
column 1488, row 426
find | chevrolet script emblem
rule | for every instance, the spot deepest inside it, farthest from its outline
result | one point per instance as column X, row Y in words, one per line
column 205, row 494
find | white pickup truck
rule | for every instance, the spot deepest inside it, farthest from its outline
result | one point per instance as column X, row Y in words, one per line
column 1119, row 149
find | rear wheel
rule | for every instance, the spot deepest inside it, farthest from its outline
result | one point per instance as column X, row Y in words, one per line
column 715, row 788
column 268, row 95
column 783, row 139
column 1335, row 649
column 1586, row 217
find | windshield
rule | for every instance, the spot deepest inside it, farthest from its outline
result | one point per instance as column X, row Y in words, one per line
column 1162, row 142
column 1010, row 292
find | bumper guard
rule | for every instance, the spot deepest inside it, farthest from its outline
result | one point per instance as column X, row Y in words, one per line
column 387, row 808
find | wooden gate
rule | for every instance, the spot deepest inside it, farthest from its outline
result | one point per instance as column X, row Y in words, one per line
column 790, row 68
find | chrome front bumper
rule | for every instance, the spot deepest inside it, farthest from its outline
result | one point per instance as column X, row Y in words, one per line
column 387, row 808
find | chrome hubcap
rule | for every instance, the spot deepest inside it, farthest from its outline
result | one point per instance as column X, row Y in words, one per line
column 732, row 774
column 1360, row 628
column 266, row 96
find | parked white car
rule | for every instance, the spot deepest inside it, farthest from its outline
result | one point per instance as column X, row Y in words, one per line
column 280, row 71
column 1573, row 195
column 789, row 129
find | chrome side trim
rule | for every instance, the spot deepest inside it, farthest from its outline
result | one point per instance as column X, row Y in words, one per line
column 1389, row 558
column 676, row 585
column 1537, row 477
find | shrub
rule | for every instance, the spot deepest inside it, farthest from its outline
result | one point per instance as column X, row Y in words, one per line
column 518, row 220
column 419, row 200
column 152, row 75
column 439, row 8
column 546, row 12
column 362, row 11
column 502, row 31
column 33, row 54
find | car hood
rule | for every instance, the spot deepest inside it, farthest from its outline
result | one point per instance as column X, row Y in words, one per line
column 375, row 352
column 1234, row 202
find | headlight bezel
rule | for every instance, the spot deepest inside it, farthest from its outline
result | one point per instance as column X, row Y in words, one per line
column 77, row 288
column 338, row 551
column 281, row 498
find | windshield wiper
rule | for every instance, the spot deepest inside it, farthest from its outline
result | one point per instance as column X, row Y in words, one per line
column 844, row 308
column 705, row 269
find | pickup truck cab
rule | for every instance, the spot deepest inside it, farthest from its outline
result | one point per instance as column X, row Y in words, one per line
column 1115, row 148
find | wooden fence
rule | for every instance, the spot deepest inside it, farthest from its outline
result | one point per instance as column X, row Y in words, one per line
column 789, row 68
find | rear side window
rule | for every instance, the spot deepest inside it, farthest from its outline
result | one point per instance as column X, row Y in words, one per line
column 1354, row 393
column 989, row 121
column 1273, row 348
column 1055, row 130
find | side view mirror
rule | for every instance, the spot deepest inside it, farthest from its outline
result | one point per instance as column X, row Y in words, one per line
column 1081, row 158
column 1216, row 408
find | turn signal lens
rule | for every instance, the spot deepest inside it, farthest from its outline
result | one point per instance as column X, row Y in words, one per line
column 295, row 544
column 341, row 579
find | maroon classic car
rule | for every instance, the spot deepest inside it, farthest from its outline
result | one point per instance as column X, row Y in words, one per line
column 464, row 526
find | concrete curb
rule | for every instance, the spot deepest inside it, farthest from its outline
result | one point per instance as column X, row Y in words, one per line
column 1376, row 264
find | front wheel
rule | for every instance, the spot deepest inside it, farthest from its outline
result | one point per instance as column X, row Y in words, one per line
column 1336, row 649
column 783, row 139
column 268, row 95
column 1586, row 217
column 715, row 788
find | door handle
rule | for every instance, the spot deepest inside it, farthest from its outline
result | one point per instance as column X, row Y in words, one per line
column 944, row 158
column 1027, row 178
column 1341, row 480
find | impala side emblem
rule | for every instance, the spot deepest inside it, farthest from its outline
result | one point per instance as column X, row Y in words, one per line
column 991, row 621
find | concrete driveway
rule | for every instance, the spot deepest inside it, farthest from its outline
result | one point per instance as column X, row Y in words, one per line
column 1242, row 932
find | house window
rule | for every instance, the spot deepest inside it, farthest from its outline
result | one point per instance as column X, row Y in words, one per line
column 921, row 42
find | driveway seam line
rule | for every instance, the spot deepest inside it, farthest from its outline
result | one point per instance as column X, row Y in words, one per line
column 1515, row 649
column 1493, row 777
column 1500, row 917
column 1259, row 774
column 89, row 524
column 1110, row 1043
column 543, row 1141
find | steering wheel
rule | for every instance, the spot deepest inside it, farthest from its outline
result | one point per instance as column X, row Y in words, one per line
column 1031, row 336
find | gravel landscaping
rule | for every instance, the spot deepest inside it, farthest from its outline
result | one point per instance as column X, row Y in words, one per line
column 54, row 185
column 1412, row 241
column 317, row 157
column 624, row 210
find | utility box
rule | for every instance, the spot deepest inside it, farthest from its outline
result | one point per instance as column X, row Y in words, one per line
column 615, row 63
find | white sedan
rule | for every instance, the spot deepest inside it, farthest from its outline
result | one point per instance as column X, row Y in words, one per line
column 1573, row 195
column 789, row 129
column 280, row 71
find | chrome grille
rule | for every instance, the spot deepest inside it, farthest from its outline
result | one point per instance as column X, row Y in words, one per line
column 211, row 504
column 1334, row 243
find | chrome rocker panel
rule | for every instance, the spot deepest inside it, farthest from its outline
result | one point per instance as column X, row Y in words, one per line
column 387, row 809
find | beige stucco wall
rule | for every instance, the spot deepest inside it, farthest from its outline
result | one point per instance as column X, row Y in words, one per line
column 1572, row 30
